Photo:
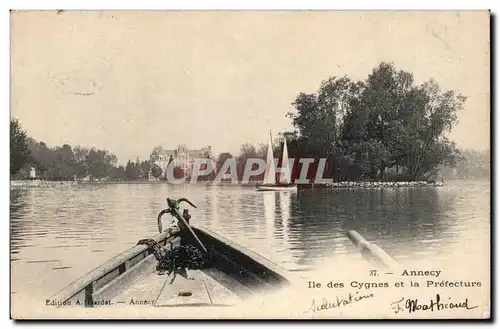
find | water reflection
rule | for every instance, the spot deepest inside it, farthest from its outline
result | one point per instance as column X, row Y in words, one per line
column 287, row 257
column 269, row 202
column 285, row 199
column 18, row 206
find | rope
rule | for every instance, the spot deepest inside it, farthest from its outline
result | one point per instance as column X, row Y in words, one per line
column 184, row 256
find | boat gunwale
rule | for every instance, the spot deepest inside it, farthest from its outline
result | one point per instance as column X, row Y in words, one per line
column 109, row 266
column 87, row 282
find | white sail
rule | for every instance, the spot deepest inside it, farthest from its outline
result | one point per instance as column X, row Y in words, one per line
column 270, row 175
column 285, row 166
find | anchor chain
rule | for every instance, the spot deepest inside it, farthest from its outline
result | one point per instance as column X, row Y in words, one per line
column 186, row 256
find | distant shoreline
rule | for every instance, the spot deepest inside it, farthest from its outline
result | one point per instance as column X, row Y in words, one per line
column 14, row 183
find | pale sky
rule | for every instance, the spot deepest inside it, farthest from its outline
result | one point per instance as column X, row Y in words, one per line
column 127, row 81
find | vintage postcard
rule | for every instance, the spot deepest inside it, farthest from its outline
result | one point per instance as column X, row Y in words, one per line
column 250, row 165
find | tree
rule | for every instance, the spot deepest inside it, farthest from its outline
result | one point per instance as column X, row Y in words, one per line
column 80, row 158
column 365, row 127
column 428, row 147
column 247, row 151
column 262, row 151
column 100, row 163
column 222, row 159
column 156, row 171
column 117, row 173
column 19, row 152
column 131, row 171
column 64, row 163
column 470, row 165
column 43, row 159
column 144, row 169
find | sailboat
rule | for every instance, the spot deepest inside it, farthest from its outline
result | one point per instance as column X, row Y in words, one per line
column 270, row 183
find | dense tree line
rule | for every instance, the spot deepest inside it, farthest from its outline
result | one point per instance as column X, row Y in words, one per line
column 66, row 162
column 247, row 151
column 385, row 127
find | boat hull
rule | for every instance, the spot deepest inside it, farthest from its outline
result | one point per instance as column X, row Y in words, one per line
column 235, row 274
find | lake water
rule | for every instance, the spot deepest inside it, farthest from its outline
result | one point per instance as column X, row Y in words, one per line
column 60, row 233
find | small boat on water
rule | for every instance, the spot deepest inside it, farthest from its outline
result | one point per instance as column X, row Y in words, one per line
column 230, row 275
column 270, row 183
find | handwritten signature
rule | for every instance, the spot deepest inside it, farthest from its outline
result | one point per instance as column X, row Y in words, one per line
column 434, row 304
column 325, row 304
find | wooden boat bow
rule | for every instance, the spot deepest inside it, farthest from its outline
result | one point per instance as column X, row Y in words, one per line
column 234, row 274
